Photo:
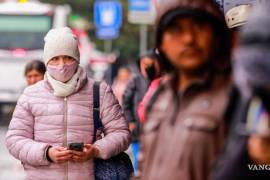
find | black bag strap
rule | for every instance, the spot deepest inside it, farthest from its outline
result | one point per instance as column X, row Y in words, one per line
column 96, row 110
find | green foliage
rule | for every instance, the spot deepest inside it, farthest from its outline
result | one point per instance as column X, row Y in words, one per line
column 128, row 41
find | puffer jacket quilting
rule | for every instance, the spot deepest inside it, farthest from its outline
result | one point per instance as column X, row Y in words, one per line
column 38, row 121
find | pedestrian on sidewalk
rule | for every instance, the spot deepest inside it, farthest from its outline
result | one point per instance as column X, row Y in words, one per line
column 184, row 127
column 246, row 154
column 58, row 111
column 135, row 91
column 34, row 71
column 120, row 83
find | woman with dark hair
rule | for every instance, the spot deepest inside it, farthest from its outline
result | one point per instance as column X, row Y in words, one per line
column 34, row 71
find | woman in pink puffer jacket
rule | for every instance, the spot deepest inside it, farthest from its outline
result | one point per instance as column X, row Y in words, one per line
column 57, row 111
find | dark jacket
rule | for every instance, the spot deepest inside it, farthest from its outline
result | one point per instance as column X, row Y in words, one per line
column 251, row 76
column 133, row 95
column 235, row 163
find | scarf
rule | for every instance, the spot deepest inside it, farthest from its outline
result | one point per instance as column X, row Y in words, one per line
column 64, row 89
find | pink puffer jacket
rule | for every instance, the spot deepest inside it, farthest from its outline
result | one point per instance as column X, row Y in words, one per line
column 42, row 119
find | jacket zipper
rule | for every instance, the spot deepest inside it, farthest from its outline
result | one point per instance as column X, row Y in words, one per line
column 65, row 135
column 175, row 111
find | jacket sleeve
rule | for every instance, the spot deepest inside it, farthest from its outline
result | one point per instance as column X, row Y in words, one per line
column 20, row 135
column 117, row 134
column 128, row 100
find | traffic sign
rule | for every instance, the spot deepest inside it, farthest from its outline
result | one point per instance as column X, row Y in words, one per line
column 108, row 14
column 141, row 11
column 107, row 33
column 139, row 5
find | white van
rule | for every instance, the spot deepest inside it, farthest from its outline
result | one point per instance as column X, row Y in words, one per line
column 22, row 29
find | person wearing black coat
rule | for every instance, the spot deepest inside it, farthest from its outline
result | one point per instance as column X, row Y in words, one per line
column 247, row 151
column 135, row 91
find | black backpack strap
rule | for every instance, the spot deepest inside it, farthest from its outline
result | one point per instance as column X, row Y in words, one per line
column 96, row 110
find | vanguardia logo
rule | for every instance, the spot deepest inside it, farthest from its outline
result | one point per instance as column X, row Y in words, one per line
column 259, row 167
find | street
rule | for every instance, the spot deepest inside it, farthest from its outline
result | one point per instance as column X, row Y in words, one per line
column 10, row 168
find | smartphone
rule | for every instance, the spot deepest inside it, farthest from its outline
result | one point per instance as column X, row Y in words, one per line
column 76, row 146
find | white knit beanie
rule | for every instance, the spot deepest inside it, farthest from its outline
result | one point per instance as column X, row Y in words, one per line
column 60, row 41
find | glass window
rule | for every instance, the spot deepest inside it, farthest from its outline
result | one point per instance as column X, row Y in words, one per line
column 24, row 31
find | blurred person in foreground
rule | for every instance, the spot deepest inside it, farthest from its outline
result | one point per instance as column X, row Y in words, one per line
column 120, row 83
column 34, row 71
column 135, row 90
column 247, row 151
column 184, row 128
column 59, row 110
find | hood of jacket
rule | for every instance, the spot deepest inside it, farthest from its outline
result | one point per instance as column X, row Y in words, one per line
column 168, row 11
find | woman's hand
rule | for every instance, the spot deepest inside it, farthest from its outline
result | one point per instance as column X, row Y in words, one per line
column 89, row 151
column 60, row 154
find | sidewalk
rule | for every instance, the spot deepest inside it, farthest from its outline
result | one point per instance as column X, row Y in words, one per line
column 10, row 168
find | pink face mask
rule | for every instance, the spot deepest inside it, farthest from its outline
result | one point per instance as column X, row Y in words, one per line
column 62, row 73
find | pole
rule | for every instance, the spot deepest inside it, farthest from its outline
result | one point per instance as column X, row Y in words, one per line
column 107, row 50
column 143, row 38
column 108, row 46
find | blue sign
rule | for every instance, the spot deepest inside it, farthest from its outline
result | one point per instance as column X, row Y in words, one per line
column 139, row 5
column 107, row 33
column 108, row 14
